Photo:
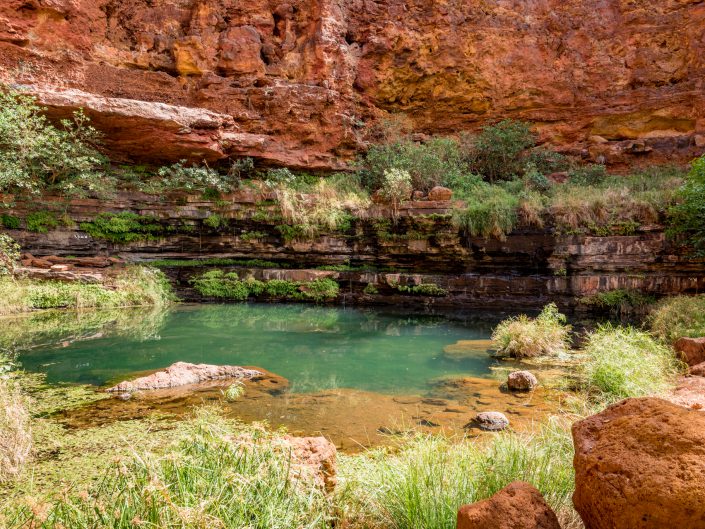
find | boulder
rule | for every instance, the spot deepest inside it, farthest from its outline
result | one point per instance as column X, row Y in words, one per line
column 182, row 374
column 641, row 464
column 440, row 194
column 522, row 381
column 691, row 350
column 698, row 370
column 314, row 458
column 517, row 506
column 491, row 421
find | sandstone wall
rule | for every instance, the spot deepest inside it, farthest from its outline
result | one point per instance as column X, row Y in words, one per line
column 294, row 82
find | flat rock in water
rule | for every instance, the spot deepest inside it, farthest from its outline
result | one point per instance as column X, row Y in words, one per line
column 182, row 374
column 466, row 349
column 517, row 506
column 491, row 421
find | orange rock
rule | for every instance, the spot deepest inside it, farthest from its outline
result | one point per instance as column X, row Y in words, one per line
column 316, row 458
column 640, row 465
column 691, row 350
column 440, row 194
column 517, row 506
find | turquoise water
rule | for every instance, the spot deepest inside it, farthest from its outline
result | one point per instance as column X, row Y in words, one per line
column 316, row 348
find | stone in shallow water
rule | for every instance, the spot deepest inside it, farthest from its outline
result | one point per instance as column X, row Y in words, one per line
column 491, row 421
column 522, row 381
column 182, row 374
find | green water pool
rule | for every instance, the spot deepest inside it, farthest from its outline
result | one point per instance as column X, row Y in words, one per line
column 316, row 348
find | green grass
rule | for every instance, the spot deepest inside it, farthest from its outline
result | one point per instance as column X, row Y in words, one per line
column 524, row 337
column 624, row 362
column 134, row 286
column 422, row 484
column 41, row 221
column 677, row 317
column 425, row 289
column 228, row 285
column 123, row 228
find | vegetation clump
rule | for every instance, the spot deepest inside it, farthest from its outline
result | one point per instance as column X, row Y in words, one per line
column 687, row 215
column 216, row 261
column 228, row 285
column 424, row 289
column 619, row 301
column 15, row 426
column 9, row 254
column 123, row 228
column 41, row 221
column 677, row 317
column 624, row 362
column 525, row 337
column 134, row 286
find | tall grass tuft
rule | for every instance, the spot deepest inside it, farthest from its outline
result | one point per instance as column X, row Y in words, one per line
column 625, row 362
column 213, row 477
column 678, row 317
column 15, row 426
column 422, row 485
column 523, row 337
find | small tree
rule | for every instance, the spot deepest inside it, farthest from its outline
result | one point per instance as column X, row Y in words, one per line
column 496, row 153
column 687, row 217
column 396, row 188
column 34, row 154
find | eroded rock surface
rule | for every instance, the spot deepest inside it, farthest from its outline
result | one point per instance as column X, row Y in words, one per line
column 691, row 350
column 640, row 464
column 517, row 506
column 182, row 374
column 294, row 82
column 315, row 458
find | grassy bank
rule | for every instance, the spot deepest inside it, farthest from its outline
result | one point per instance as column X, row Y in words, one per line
column 132, row 287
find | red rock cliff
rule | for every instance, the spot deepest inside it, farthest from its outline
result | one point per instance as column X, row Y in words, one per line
column 293, row 82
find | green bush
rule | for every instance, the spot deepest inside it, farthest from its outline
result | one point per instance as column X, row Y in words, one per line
column 424, row 289
column 215, row 221
column 281, row 288
column 490, row 211
column 524, row 337
column 220, row 284
column 437, row 162
column 10, row 221
column 678, row 316
column 319, row 290
column 123, row 228
column 624, row 362
column 497, row 152
column 687, row 216
column 41, row 221
column 619, row 301
column 195, row 178
column 588, row 175
column 36, row 155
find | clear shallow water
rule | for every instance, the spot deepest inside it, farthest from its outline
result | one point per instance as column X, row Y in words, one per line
column 316, row 348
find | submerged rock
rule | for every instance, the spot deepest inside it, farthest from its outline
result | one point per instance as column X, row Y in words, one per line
column 315, row 458
column 691, row 350
column 463, row 349
column 640, row 464
column 522, row 381
column 182, row 374
column 491, row 421
column 517, row 506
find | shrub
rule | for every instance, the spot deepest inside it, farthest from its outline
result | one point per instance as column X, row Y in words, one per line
column 396, row 187
column 425, row 289
column 9, row 254
column 371, row 289
column 497, row 151
column 10, row 221
column 619, row 301
column 422, row 484
column 215, row 221
column 677, row 317
column 123, row 228
column 196, row 178
column 36, row 155
column 624, row 362
column 524, row 337
column 41, row 221
column 687, row 217
column 280, row 288
column 15, row 428
column 588, row 175
column 220, row 284
column 437, row 162
column 324, row 289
